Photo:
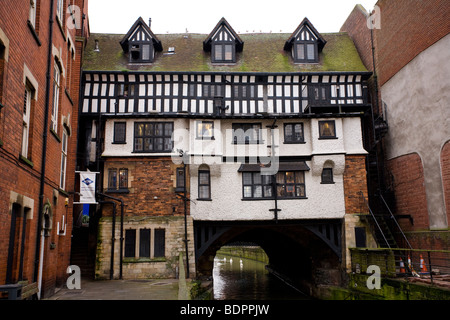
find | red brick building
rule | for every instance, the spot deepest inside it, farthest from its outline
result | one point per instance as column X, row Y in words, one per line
column 41, row 48
column 407, row 48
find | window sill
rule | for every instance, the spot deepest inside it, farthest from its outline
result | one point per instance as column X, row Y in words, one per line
column 279, row 198
column 27, row 161
column 205, row 138
column 63, row 192
column 204, row 199
column 144, row 260
column 33, row 32
column 119, row 142
column 328, row 138
column 68, row 96
column 327, row 182
column 117, row 191
column 294, row 142
column 55, row 135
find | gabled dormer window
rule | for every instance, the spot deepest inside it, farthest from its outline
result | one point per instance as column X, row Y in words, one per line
column 223, row 43
column 305, row 43
column 140, row 43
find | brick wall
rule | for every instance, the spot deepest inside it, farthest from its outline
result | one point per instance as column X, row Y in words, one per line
column 407, row 28
column 30, row 49
column 355, row 182
column 151, row 186
column 408, row 182
column 445, row 167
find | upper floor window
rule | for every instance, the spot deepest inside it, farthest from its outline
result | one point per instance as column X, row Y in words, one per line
column 291, row 184
column 60, row 10
column 56, row 91
column 246, row 133
column 327, row 129
column 327, row 176
column 120, row 132
column 26, row 127
column 205, row 130
column 153, row 137
column 117, row 179
column 223, row 43
column 62, row 183
column 305, row 43
column 293, row 133
column 140, row 43
column 33, row 13
column 204, row 183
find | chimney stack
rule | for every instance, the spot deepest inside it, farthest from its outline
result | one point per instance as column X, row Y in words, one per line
column 149, row 22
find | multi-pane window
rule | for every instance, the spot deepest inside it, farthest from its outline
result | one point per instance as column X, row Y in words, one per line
column 26, row 121
column 204, row 185
column 291, row 184
column 212, row 90
column 56, row 88
column 305, row 52
column 256, row 185
column 62, row 183
column 205, row 130
column 327, row 129
column 180, row 180
column 142, row 241
column 293, row 133
column 319, row 94
column 125, row 90
column 246, row 133
column 153, row 136
column 60, row 10
column 120, row 132
column 223, row 52
column 117, row 179
column 141, row 52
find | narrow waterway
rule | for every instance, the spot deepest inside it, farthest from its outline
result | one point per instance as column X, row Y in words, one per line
column 244, row 279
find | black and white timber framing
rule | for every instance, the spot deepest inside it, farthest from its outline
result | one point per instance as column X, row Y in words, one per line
column 208, row 94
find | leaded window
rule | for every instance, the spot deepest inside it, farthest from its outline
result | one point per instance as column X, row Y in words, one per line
column 153, row 137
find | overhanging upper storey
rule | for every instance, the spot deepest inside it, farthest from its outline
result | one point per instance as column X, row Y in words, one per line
column 221, row 94
column 140, row 43
column 223, row 43
column 305, row 43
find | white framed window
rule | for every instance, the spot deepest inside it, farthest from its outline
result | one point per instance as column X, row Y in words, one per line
column 62, row 183
column 60, row 10
column 32, row 15
column 56, row 88
column 26, row 121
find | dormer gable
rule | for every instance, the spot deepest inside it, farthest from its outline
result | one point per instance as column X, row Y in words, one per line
column 223, row 43
column 305, row 43
column 140, row 43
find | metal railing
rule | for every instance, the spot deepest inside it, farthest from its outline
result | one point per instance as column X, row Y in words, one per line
column 394, row 262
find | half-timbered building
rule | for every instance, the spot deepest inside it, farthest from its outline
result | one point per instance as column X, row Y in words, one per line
column 214, row 138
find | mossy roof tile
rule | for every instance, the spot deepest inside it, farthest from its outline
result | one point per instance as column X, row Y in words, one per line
column 263, row 52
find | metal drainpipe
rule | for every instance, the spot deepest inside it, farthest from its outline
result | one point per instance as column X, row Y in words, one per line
column 44, row 147
column 185, row 220
column 121, row 228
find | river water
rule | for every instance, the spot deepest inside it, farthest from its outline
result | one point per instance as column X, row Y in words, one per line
column 237, row 278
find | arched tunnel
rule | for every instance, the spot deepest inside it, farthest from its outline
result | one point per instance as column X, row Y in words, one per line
column 306, row 254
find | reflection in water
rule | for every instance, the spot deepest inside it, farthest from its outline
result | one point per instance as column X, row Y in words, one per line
column 243, row 279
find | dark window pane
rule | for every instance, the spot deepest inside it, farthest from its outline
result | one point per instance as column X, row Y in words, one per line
column 130, row 243
column 144, row 243
column 160, row 243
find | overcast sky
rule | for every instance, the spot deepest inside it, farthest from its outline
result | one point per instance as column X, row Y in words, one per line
column 201, row 16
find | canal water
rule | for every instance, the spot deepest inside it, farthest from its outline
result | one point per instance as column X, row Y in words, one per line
column 237, row 278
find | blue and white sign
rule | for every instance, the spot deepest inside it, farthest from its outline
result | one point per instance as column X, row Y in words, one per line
column 87, row 187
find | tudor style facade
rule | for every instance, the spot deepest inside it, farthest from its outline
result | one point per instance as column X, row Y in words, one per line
column 217, row 132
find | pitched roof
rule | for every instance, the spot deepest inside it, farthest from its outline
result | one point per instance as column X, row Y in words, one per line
column 223, row 22
column 140, row 22
column 263, row 53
